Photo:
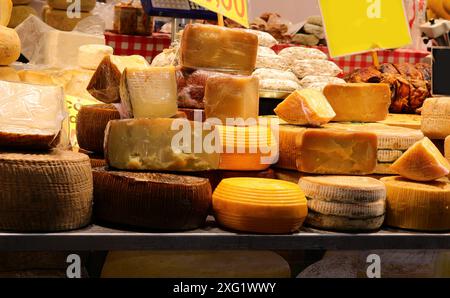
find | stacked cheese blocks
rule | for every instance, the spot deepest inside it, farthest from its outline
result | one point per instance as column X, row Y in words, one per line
column 43, row 188
column 21, row 10
column 58, row 13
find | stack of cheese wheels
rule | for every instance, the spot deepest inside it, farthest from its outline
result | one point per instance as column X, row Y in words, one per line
column 344, row 203
column 20, row 11
column 195, row 264
column 259, row 205
column 151, row 200
column 45, row 191
column 56, row 13
column 422, row 206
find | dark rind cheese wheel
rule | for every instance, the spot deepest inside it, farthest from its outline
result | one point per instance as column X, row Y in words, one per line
column 28, row 142
column 151, row 200
column 98, row 162
column 91, row 124
column 45, row 192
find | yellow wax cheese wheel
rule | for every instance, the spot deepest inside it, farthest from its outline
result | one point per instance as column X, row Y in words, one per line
column 259, row 205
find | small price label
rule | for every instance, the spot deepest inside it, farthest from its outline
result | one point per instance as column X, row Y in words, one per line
column 356, row 26
column 237, row 10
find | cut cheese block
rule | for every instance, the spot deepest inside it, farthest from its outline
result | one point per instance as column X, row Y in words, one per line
column 359, row 102
column 150, row 92
column 418, row 206
column 306, row 106
column 60, row 20
column 344, row 189
column 45, row 192
column 159, row 144
column 251, row 148
column 39, row 77
column 447, row 148
column 105, row 83
column 329, row 151
column 340, row 223
column 90, row 55
column 232, row 97
column 31, row 115
column 383, row 169
column 8, row 74
column 355, row 210
column 151, row 200
column 289, row 137
column 5, row 12
column 259, row 205
column 403, row 120
column 60, row 49
column 85, row 5
column 195, row 264
column 9, row 46
column 422, row 162
column 436, row 117
column 218, row 48
column 19, row 14
column 91, row 123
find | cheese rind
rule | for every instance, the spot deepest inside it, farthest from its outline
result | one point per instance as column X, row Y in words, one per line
column 232, row 97
column 9, row 46
column 306, row 106
column 150, row 92
column 340, row 223
column 418, row 206
column 436, row 117
column 218, row 48
column 422, row 162
column 359, row 102
column 31, row 116
column 151, row 200
column 90, row 56
column 105, row 83
column 146, row 144
column 60, row 20
column 45, row 192
column 85, row 5
column 259, row 205
column 329, row 151
column 355, row 210
column 288, row 151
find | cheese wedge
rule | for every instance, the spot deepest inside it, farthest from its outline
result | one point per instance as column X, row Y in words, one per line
column 359, row 102
column 259, row 205
column 289, row 137
column 418, row 206
column 150, row 92
column 218, row 48
column 422, row 162
column 160, row 144
column 9, row 74
column 436, row 117
column 105, row 82
column 333, row 151
column 90, row 55
column 9, row 46
column 151, row 200
column 5, row 12
column 306, row 106
column 232, row 97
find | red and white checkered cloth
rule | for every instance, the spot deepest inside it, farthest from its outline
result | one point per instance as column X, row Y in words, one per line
column 352, row 62
column 146, row 46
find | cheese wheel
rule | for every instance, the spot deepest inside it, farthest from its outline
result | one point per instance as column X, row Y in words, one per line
column 21, row 2
column 418, row 206
column 5, row 12
column 9, row 46
column 195, row 264
column 85, row 5
column 355, row 210
column 90, row 55
column 447, row 148
column 344, row 189
column 9, row 74
column 91, row 124
column 289, row 137
column 45, row 192
column 98, row 162
column 151, row 200
column 340, row 223
column 59, row 19
column 19, row 14
column 259, row 205
column 436, row 117
column 403, row 120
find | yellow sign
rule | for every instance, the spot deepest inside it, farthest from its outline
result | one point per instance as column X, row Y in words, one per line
column 237, row 10
column 355, row 26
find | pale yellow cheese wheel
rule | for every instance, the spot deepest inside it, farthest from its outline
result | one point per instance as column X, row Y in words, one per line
column 195, row 264
column 19, row 14
column 9, row 46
